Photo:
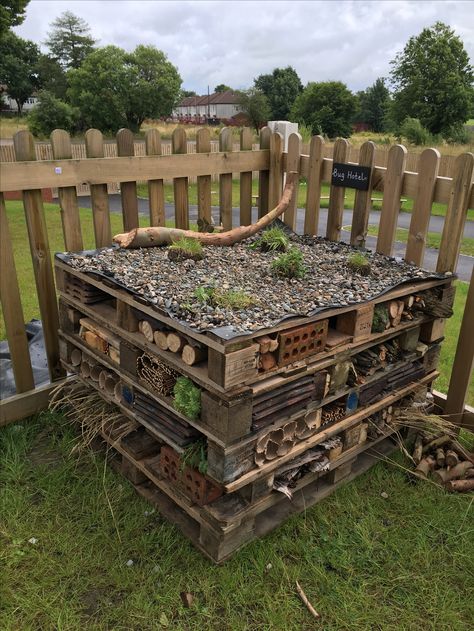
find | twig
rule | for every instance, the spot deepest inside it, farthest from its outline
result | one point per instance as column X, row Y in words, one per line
column 306, row 602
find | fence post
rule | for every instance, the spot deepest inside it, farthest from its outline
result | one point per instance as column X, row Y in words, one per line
column 12, row 309
column 264, row 176
column 391, row 199
column 62, row 150
column 128, row 190
column 203, row 145
column 362, row 199
column 293, row 164
column 456, row 214
column 179, row 145
column 156, row 193
column 428, row 166
column 275, row 181
column 41, row 258
column 463, row 361
column 225, row 180
column 336, row 194
column 313, row 187
column 246, row 181
column 99, row 195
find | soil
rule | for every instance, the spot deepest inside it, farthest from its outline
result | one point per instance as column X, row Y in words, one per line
column 171, row 285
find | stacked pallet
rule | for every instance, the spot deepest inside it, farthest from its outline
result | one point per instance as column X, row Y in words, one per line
column 245, row 431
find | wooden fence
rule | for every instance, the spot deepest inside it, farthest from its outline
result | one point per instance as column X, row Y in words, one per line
column 30, row 174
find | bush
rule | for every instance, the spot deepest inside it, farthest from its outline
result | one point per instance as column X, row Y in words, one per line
column 50, row 114
column 459, row 135
column 414, row 132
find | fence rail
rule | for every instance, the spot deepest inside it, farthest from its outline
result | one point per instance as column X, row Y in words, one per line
column 56, row 165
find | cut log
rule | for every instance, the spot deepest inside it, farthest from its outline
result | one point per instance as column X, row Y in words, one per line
column 425, row 466
column 193, row 354
column 459, row 471
column 461, row 452
column 452, row 459
column 435, row 443
column 440, row 457
column 175, row 342
column 267, row 361
column 460, row 486
column 439, row 476
column 146, row 329
column 161, row 339
column 156, row 236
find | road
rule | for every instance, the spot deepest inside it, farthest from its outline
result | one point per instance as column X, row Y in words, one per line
column 465, row 263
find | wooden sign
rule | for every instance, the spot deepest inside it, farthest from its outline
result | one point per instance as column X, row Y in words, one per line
column 350, row 176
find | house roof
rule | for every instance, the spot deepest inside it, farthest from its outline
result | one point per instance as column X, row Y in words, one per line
column 218, row 98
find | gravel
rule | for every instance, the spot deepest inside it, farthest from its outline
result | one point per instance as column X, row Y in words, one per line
column 171, row 285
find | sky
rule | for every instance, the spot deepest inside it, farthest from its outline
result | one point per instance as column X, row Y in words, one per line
column 234, row 42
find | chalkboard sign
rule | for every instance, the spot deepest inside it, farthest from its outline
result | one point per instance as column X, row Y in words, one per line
column 350, row 176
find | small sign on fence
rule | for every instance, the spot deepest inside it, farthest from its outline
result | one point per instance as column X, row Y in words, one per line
column 350, row 176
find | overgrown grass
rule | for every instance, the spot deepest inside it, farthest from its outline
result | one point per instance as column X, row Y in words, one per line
column 365, row 562
column 433, row 239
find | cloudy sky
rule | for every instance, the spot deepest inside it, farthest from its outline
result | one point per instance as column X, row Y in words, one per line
column 233, row 42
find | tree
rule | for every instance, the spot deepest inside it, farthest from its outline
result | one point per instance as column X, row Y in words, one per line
column 281, row 89
column 51, row 113
column 254, row 104
column 327, row 108
column 51, row 76
column 69, row 40
column 18, row 58
column 374, row 103
column 186, row 93
column 12, row 13
column 222, row 87
column 432, row 80
column 114, row 89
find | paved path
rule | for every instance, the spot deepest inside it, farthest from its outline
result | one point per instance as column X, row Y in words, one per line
column 465, row 263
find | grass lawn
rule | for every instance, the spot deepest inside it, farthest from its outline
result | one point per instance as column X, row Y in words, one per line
column 69, row 527
column 28, row 289
column 433, row 239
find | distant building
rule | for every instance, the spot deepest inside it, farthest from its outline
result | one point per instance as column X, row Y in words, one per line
column 216, row 107
column 9, row 104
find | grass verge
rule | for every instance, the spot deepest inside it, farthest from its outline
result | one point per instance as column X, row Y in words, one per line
column 70, row 527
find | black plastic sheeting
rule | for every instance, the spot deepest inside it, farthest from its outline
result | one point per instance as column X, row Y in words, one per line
column 39, row 363
column 223, row 332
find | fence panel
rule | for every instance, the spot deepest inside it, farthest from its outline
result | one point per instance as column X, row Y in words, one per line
column 293, row 164
column 246, row 181
column 156, row 191
column 313, row 185
column 128, row 190
column 99, row 194
column 264, row 176
column 392, row 193
column 203, row 145
column 363, row 199
column 226, row 145
column 180, row 184
column 337, row 194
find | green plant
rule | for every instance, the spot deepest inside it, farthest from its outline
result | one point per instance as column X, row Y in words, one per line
column 273, row 239
column 414, row 132
column 187, row 398
column 204, row 294
column 359, row 263
column 195, row 456
column 290, row 264
column 185, row 248
column 380, row 320
column 232, row 299
column 51, row 113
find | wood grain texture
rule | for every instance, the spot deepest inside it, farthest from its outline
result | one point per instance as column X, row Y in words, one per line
column 70, row 220
column 204, row 184
column 263, row 176
column 12, row 309
column 128, row 189
column 179, row 145
column 391, row 199
column 456, row 214
column 428, row 166
column 314, row 182
column 293, row 164
column 156, row 191
column 246, row 137
column 41, row 258
column 99, row 196
column 225, row 180
column 26, row 404
column 275, row 183
column 362, row 199
column 463, row 362
column 336, row 194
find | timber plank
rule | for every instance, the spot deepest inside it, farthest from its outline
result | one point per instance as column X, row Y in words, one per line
column 362, row 201
column 156, row 191
column 128, row 189
column 99, row 195
column 292, row 165
column 203, row 145
column 336, row 194
column 225, row 180
column 246, row 181
column 314, row 183
column 263, row 176
column 179, row 145
column 393, row 186
column 275, row 178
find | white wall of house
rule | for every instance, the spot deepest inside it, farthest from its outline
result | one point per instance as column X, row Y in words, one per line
column 10, row 104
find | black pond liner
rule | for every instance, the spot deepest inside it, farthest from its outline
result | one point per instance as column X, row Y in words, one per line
column 228, row 332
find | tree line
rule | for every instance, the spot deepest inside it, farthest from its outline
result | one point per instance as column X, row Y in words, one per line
column 428, row 94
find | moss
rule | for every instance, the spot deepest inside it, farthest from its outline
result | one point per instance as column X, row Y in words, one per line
column 187, row 398
column 380, row 319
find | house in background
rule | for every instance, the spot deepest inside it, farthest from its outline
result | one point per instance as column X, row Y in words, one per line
column 221, row 106
column 7, row 104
